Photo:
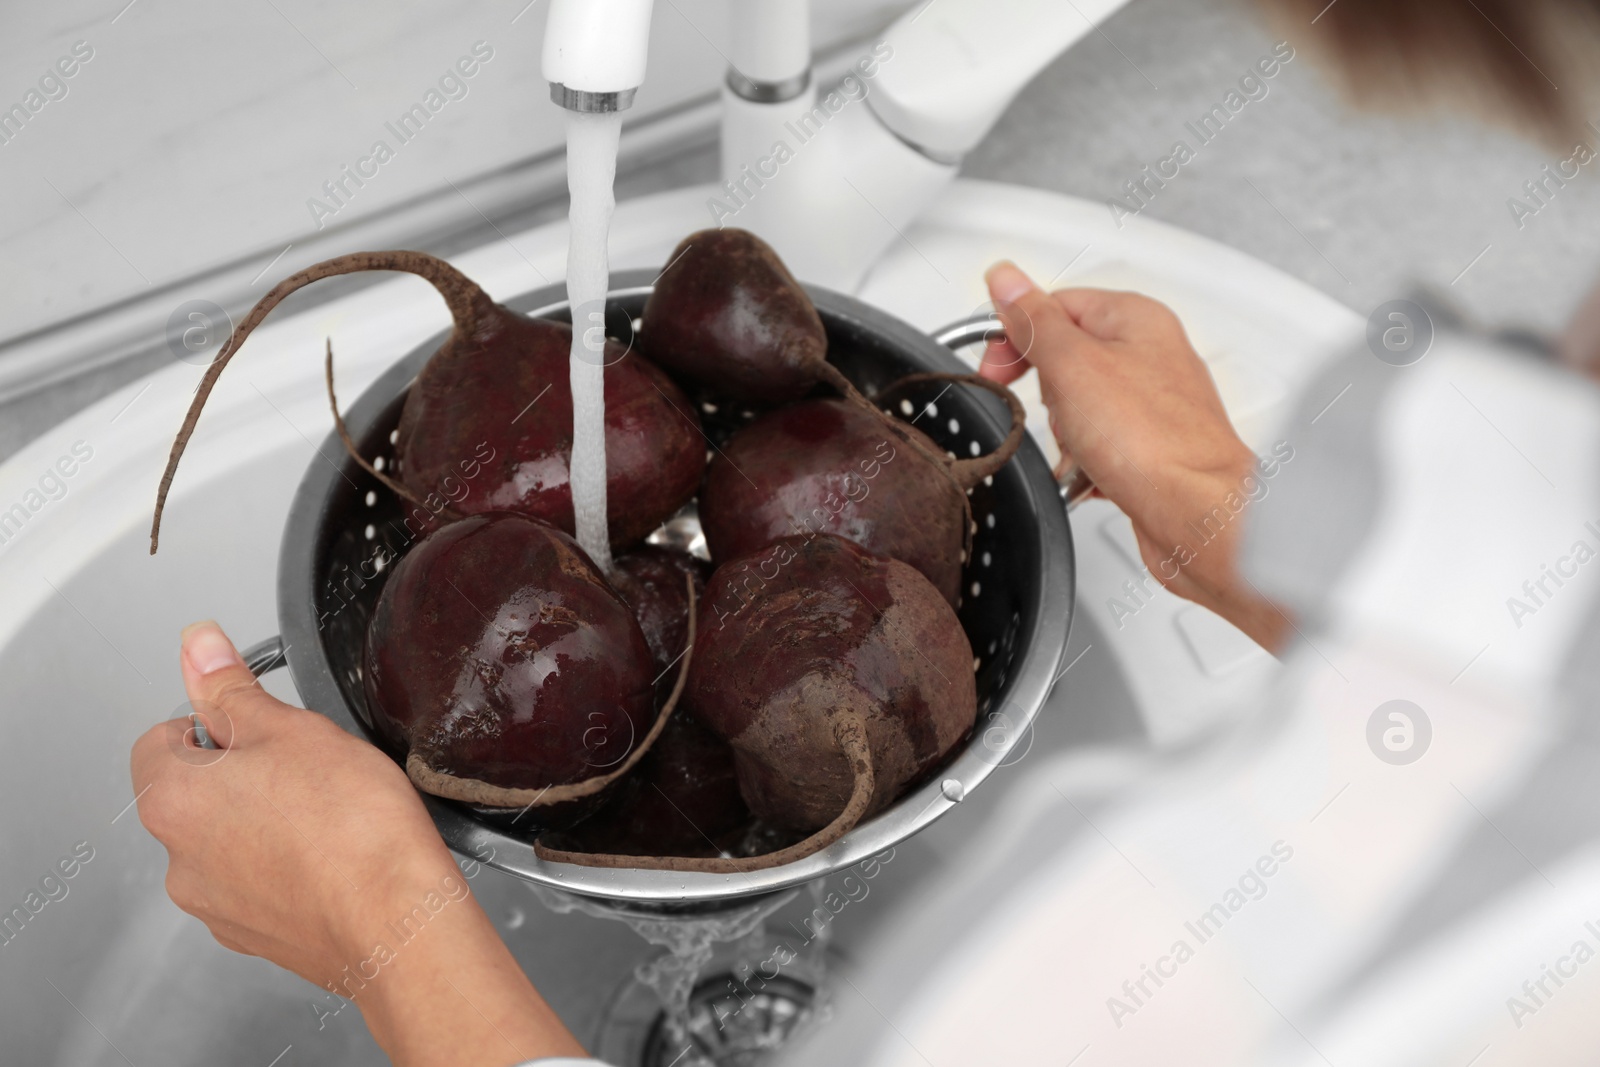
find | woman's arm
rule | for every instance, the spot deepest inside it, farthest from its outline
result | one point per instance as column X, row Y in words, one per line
column 1136, row 408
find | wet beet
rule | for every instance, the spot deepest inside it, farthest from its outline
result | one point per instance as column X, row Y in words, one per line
column 507, row 392
column 683, row 800
column 498, row 655
column 809, row 634
column 830, row 466
column 487, row 425
column 727, row 313
column 653, row 581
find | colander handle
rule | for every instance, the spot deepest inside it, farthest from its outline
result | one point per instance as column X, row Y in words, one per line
column 269, row 655
column 1075, row 484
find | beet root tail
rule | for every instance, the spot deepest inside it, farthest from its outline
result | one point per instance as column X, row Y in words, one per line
column 851, row 733
column 468, row 305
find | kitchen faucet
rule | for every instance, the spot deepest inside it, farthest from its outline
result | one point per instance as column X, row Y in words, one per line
column 831, row 178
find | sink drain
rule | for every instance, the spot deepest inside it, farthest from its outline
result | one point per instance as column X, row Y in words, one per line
column 729, row 1025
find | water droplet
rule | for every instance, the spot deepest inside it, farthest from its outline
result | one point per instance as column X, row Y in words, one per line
column 953, row 790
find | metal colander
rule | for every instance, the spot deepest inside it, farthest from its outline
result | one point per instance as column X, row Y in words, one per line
column 345, row 530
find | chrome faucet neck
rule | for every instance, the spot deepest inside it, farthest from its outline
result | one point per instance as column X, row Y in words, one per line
column 591, row 103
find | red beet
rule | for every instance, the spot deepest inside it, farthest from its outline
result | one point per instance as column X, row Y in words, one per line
column 503, row 663
column 727, row 313
column 833, row 466
column 655, row 582
column 512, row 394
column 499, row 388
column 810, row 638
column 683, row 800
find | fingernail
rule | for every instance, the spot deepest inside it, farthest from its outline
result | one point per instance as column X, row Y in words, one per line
column 207, row 648
column 1007, row 282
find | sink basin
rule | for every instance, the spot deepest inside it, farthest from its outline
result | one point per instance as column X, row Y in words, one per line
column 112, row 972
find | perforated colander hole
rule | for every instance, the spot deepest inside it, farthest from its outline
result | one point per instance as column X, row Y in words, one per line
column 394, row 437
column 371, row 531
column 987, row 559
column 379, row 562
column 992, row 646
column 637, row 324
column 976, row 663
column 372, row 498
column 955, row 425
column 974, row 447
column 708, row 407
column 988, row 479
column 977, row 589
column 906, row 407
column 988, row 520
column 377, row 463
column 949, row 453
column 933, row 409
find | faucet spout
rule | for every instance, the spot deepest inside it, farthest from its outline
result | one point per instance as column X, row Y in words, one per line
column 594, row 52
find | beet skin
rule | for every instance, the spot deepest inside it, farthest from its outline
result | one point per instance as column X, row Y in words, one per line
column 504, row 391
column 727, row 313
column 654, row 582
column 807, row 633
column 833, row 466
column 498, row 652
column 682, row 800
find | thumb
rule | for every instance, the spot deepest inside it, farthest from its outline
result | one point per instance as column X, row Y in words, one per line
column 1039, row 332
column 221, row 689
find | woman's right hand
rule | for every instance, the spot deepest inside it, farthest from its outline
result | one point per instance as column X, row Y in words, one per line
column 1135, row 407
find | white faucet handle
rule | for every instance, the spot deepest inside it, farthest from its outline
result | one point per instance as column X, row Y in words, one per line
column 957, row 64
column 597, row 47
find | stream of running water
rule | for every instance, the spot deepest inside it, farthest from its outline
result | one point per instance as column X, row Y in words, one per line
column 591, row 173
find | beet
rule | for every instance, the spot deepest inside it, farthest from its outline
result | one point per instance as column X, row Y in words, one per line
column 655, row 583
column 499, row 387
column 727, row 313
column 811, row 634
column 506, row 667
column 832, row 466
column 481, row 397
column 683, row 800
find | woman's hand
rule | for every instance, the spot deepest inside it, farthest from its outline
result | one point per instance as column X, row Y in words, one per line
column 296, row 842
column 1135, row 407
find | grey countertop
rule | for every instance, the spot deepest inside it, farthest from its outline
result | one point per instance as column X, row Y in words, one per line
column 1363, row 206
